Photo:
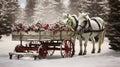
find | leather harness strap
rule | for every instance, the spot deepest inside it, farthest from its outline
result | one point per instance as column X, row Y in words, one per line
column 75, row 28
column 97, row 23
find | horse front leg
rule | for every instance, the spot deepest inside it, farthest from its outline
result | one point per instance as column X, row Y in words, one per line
column 80, row 42
column 73, row 40
column 85, row 46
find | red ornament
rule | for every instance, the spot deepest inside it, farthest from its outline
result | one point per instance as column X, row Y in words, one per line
column 26, row 31
column 46, row 26
column 56, row 31
column 36, row 30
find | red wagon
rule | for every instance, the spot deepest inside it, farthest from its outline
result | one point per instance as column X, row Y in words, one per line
column 44, row 42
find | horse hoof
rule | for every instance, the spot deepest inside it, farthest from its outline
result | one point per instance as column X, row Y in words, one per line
column 93, row 52
column 98, row 52
column 80, row 54
column 84, row 53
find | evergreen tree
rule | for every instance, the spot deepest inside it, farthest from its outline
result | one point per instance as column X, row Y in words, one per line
column 29, row 11
column 113, row 30
column 114, row 15
column 8, row 10
column 45, row 11
column 96, row 8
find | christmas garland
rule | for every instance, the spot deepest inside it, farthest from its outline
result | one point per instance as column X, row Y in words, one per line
column 56, row 27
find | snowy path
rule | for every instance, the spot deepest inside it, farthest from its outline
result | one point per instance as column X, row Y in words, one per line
column 107, row 58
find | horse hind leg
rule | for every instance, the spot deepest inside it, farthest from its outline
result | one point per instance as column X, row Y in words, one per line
column 93, row 42
column 100, row 42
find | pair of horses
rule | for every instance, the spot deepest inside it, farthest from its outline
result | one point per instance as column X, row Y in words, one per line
column 85, row 28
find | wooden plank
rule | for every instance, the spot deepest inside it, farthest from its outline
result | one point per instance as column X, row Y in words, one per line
column 43, row 35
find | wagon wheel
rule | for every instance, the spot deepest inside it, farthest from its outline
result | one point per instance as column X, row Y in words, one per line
column 51, row 52
column 67, row 48
column 42, row 50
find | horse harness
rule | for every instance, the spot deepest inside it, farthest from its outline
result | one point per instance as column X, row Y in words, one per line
column 75, row 28
column 89, row 28
column 83, row 28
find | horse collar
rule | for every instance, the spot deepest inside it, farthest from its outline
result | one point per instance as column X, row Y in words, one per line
column 84, row 29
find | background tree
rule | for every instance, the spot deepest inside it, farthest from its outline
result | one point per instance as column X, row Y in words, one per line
column 113, row 26
column 29, row 11
column 96, row 8
column 114, row 15
column 45, row 11
column 8, row 9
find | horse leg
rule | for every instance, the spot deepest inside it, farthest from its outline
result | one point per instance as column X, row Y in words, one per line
column 99, row 43
column 85, row 45
column 73, row 40
column 93, row 42
column 80, row 41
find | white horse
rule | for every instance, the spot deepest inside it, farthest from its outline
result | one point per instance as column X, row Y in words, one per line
column 86, row 28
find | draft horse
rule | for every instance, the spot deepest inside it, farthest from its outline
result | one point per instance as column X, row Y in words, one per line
column 86, row 28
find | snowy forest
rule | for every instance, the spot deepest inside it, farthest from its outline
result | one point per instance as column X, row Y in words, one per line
column 30, row 16
column 49, row 11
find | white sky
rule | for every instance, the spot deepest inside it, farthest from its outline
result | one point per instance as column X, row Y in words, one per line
column 22, row 3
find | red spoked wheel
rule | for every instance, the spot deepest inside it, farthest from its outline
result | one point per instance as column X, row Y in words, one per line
column 67, row 48
column 42, row 50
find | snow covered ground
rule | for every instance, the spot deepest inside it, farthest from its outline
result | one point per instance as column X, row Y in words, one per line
column 107, row 58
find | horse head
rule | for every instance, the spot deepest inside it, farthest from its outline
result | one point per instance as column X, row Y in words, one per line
column 83, row 16
column 68, row 20
column 64, row 18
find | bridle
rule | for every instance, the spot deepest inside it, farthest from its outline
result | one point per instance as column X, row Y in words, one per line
column 74, row 29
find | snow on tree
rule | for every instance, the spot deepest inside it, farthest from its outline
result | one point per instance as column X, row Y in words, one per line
column 114, row 24
column 45, row 11
column 96, row 8
column 8, row 10
column 20, row 16
column 29, row 11
column 76, row 6
column 114, row 15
